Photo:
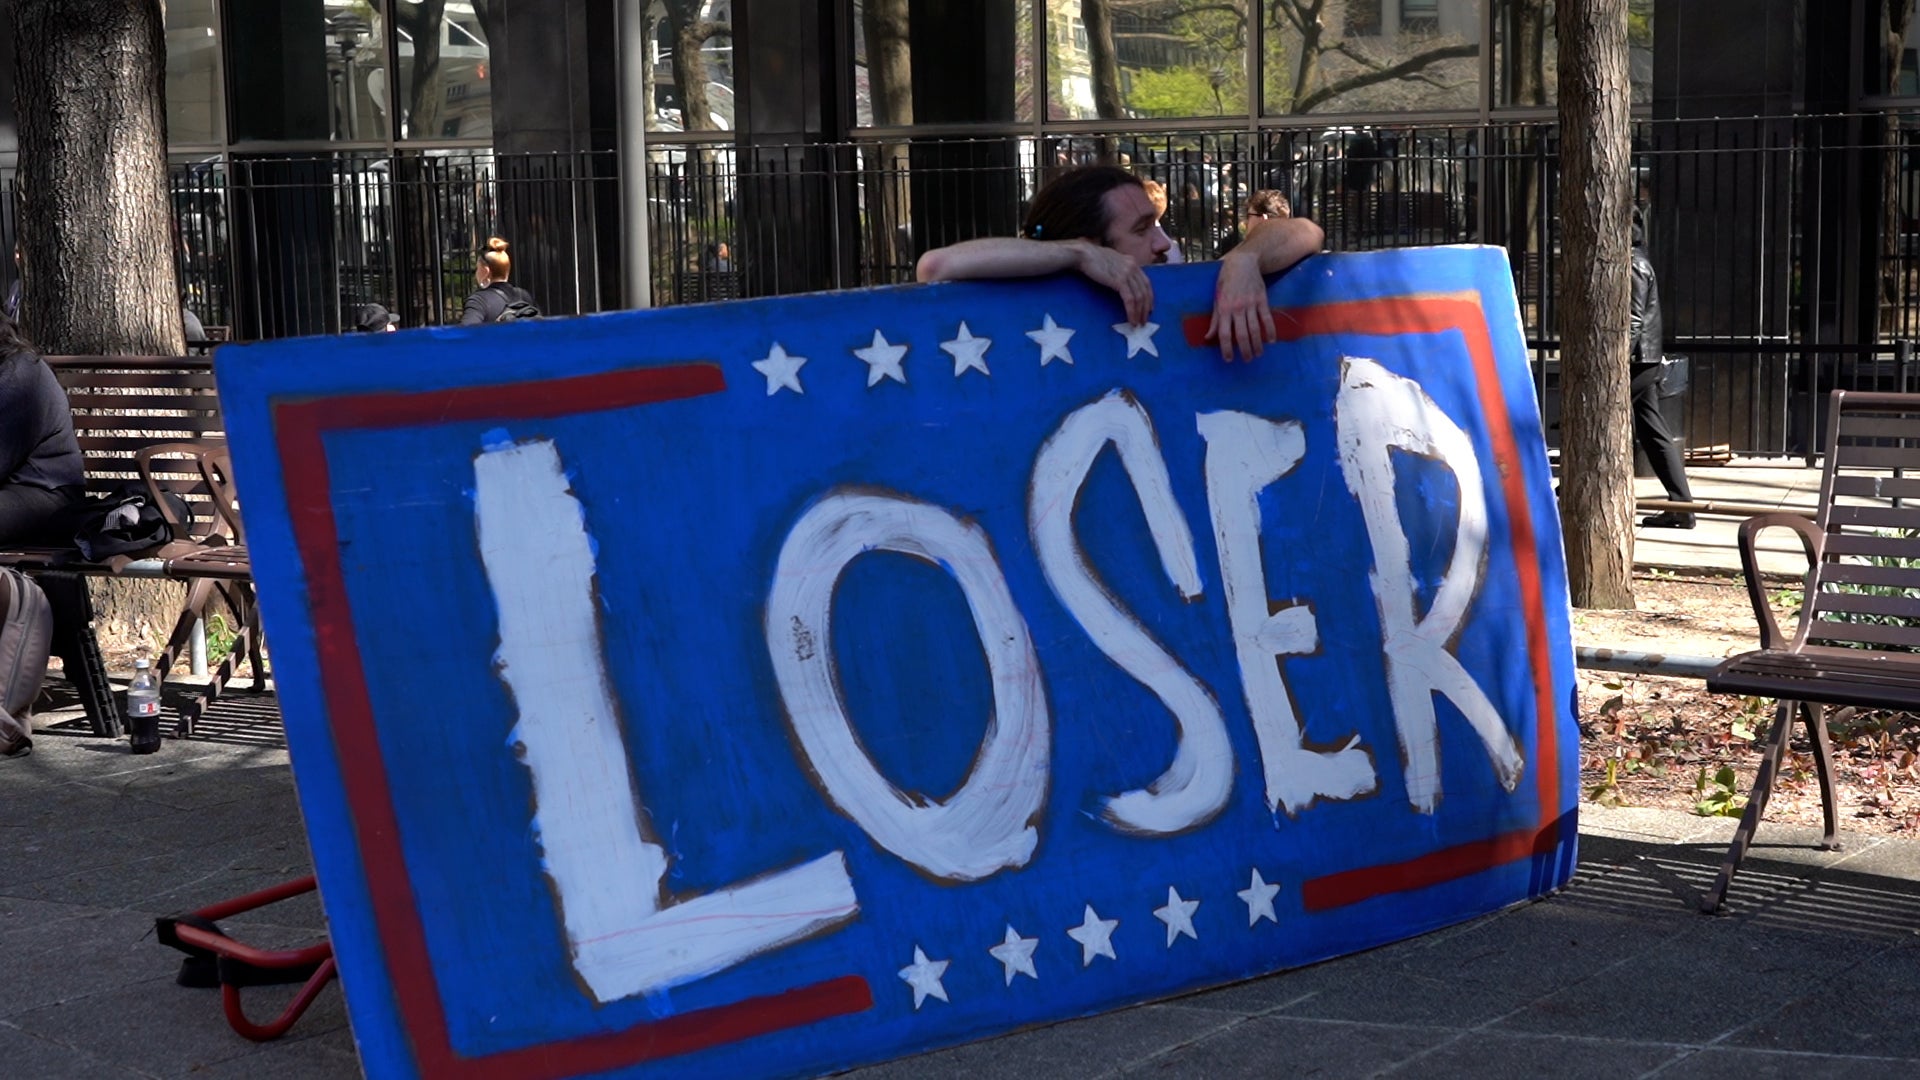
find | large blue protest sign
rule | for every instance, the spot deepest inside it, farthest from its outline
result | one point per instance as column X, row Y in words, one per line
column 773, row 687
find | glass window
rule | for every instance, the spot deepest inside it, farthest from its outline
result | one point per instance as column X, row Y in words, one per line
column 1123, row 59
column 1903, row 78
column 1525, row 54
column 942, row 63
column 1372, row 55
column 195, row 115
column 308, row 69
column 445, row 85
column 689, row 64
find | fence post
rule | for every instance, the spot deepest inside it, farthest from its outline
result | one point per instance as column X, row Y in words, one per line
column 636, row 104
column 1902, row 356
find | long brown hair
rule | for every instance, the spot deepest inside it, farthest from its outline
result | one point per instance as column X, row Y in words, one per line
column 1074, row 206
column 494, row 258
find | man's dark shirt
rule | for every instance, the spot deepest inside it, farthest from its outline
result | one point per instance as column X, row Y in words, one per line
column 37, row 446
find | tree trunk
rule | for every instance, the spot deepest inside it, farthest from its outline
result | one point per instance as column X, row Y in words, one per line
column 96, row 228
column 96, row 233
column 1596, row 425
column 427, row 95
column 890, row 88
column 689, row 64
column 1104, row 57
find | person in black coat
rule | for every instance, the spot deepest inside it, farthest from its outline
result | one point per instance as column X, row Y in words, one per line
column 496, row 293
column 1650, row 431
column 40, row 464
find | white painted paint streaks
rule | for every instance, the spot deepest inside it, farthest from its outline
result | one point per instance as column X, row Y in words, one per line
column 627, row 936
column 1196, row 785
column 1377, row 412
column 1245, row 454
column 986, row 826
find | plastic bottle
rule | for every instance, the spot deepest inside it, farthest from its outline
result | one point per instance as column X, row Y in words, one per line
column 143, row 709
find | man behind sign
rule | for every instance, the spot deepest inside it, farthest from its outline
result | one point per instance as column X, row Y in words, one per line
column 1097, row 220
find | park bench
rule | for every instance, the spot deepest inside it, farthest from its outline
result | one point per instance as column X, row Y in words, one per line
column 154, row 421
column 1857, row 642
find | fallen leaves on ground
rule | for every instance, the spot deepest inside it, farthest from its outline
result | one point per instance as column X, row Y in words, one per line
column 1649, row 740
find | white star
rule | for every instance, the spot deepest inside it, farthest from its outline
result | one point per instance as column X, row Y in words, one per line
column 968, row 352
column 1052, row 339
column 1016, row 955
column 924, row 976
column 1178, row 915
column 1095, row 936
column 883, row 360
column 1258, row 897
column 1138, row 337
column 782, row 371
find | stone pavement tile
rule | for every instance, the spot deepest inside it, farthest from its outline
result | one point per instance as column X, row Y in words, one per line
column 164, row 1029
column 20, row 916
column 26, row 1055
column 1695, row 986
column 1270, row 1046
column 1868, row 1010
column 1602, row 823
column 1716, row 1063
column 176, row 880
column 327, row 1057
column 77, row 958
column 1507, row 960
column 1096, row 1046
column 1490, row 1055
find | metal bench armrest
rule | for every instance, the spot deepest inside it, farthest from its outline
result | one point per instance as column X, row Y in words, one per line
column 1812, row 538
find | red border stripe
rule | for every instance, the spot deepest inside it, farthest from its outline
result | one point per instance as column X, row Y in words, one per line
column 301, row 426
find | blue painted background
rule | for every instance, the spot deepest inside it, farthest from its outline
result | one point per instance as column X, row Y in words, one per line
column 688, row 503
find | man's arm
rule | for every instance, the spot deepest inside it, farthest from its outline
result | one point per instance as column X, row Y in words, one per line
column 1242, row 318
column 1015, row 257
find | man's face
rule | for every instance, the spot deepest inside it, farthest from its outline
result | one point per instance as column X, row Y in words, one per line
column 1132, row 225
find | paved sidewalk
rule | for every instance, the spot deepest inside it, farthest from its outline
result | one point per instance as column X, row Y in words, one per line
column 1711, row 545
column 1814, row 972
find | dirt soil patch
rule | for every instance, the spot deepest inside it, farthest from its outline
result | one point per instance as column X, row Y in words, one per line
column 1649, row 740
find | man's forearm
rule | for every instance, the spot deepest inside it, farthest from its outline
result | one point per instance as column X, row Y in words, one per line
column 999, row 257
column 1277, row 244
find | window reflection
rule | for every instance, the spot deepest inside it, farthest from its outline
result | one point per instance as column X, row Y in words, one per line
column 194, row 113
column 942, row 63
column 1526, row 55
column 1372, row 55
column 357, row 102
column 1115, row 59
column 1902, row 64
column 445, row 86
column 689, row 64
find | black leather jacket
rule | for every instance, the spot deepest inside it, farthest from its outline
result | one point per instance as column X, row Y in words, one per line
column 1644, row 330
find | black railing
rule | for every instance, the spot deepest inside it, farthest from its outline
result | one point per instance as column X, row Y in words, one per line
column 1768, row 234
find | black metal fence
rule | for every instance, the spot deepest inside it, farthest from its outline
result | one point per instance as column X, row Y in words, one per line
column 1788, row 249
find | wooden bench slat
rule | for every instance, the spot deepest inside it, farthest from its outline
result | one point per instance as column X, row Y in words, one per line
column 108, row 404
column 1876, row 486
column 152, row 381
column 1852, row 516
column 1823, row 630
column 1842, row 544
column 1854, row 573
column 1878, row 457
column 209, row 422
column 1858, row 603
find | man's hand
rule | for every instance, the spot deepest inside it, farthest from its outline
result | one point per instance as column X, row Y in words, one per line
column 1242, row 319
column 1105, row 266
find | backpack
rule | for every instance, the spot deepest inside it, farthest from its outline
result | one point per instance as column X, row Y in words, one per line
column 26, row 637
column 517, row 309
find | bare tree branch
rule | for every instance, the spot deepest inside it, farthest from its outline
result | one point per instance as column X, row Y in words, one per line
column 1411, row 65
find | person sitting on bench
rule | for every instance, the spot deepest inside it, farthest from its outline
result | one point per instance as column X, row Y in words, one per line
column 40, row 465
